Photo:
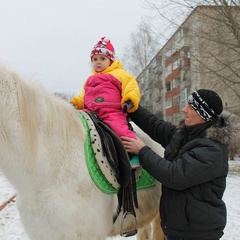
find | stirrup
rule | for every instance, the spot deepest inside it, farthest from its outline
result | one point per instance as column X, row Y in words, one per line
column 132, row 232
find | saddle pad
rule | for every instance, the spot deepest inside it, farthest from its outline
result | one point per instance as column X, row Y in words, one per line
column 102, row 160
column 145, row 180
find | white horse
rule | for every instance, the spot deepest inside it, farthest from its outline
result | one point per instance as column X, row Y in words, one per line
column 42, row 155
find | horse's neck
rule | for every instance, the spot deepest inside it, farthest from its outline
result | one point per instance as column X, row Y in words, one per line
column 148, row 141
column 17, row 168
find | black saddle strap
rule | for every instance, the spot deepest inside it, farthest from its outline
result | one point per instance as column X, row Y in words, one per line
column 118, row 159
column 127, row 198
column 134, row 188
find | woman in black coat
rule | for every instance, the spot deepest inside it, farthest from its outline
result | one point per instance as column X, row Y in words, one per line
column 194, row 168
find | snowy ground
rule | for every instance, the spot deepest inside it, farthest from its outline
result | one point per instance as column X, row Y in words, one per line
column 11, row 229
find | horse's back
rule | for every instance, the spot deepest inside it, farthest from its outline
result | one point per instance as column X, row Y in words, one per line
column 42, row 153
column 147, row 140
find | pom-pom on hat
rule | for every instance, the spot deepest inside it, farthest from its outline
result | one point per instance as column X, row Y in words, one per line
column 104, row 47
column 206, row 103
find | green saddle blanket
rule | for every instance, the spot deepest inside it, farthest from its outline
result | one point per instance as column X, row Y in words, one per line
column 145, row 180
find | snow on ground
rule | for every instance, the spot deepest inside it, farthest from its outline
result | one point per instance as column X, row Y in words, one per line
column 11, row 228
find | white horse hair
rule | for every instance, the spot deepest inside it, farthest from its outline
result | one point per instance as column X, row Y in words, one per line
column 42, row 155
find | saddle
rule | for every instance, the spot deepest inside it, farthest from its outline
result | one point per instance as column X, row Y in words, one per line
column 119, row 161
column 113, row 149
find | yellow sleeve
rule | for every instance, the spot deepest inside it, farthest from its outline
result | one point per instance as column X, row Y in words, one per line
column 78, row 101
column 130, row 90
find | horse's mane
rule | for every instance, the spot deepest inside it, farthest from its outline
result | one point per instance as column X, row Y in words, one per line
column 42, row 112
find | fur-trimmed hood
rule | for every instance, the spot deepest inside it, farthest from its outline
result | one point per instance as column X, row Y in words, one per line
column 227, row 131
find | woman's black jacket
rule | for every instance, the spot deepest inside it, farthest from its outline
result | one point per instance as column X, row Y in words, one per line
column 193, row 173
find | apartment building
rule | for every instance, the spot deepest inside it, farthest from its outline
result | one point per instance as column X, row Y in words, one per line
column 204, row 52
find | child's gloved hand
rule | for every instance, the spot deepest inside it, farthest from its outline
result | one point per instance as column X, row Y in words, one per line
column 127, row 106
column 73, row 104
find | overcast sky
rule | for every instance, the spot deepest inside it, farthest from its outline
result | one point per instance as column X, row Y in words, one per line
column 51, row 40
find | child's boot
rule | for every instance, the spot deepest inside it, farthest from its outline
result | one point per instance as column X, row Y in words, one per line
column 134, row 162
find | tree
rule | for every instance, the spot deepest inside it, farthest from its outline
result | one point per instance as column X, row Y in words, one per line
column 64, row 95
column 142, row 48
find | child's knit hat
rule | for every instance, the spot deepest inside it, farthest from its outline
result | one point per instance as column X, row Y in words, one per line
column 104, row 47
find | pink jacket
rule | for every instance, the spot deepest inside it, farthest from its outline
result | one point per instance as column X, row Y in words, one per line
column 106, row 92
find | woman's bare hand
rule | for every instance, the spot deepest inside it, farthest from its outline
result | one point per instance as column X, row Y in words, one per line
column 132, row 145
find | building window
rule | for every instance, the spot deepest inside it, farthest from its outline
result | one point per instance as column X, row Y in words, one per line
column 187, row 75
column 168, row 86
column 168, row 70
column 179, row 35
column 183, row 98
column 169, row 103
column 176, row 82
column 176, row 100
column 176, row 64
column 168, row 52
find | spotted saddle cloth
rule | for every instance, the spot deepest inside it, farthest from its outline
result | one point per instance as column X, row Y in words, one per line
column 107, row 160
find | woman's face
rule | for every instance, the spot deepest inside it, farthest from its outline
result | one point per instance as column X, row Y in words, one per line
column 191, row 117
column 100, row 62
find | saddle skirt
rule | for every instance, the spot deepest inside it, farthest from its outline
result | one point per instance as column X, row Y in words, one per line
column 104, row 173
column 101, row 159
